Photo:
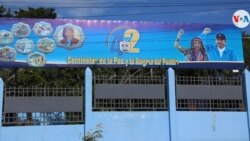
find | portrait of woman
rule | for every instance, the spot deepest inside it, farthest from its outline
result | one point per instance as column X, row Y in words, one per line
column 196, row 51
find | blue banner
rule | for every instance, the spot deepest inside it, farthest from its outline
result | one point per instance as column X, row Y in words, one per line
column 72, row 43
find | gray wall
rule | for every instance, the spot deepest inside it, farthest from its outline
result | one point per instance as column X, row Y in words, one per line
column 208, row 92
column 129, row 91
column 43, row 104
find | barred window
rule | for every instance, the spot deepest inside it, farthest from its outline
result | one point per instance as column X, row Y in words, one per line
column 209, row 93
column 130, row 105
column 209, row 105
column 208, row 80
column 39, row 118
column 25, row 106
column 131, row 93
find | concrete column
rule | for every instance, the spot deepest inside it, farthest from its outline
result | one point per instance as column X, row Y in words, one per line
column 247, row 94
column 172, row 104
column 88, row 92
column 88, row 100
column 1, row 106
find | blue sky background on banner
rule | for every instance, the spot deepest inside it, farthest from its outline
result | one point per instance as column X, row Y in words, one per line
column 206, row 12
column 187, row 11
column 156, row 39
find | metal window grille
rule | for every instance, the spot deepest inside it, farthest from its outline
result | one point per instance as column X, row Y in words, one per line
column 25, row 118
column 209, row 105
column 129, row 80
column 130, row 105
column 232, row 102
column 39, row 118
column 42, row 91
column 203, row 80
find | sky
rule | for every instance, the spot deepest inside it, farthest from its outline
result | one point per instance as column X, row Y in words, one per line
column 173, row 11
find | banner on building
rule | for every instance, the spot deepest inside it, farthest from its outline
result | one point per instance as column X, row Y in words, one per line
column 74, row 43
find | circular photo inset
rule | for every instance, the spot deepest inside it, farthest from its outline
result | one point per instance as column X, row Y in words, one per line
column 46, row 45
column 24, row 46
column 69, row 36
column 7, row 54
column 42, row 29
column 6, row 37
column 36, row 59
column 21, row 30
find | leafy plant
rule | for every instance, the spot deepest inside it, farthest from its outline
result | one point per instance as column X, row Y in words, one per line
column 94, row 135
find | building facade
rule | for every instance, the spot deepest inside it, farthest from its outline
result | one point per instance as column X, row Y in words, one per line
column 167, row 108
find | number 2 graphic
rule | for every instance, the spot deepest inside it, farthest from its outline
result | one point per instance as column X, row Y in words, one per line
column 135, row 36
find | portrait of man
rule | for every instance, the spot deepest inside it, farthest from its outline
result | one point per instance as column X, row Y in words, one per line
column 219, row 51
column 68, row 37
